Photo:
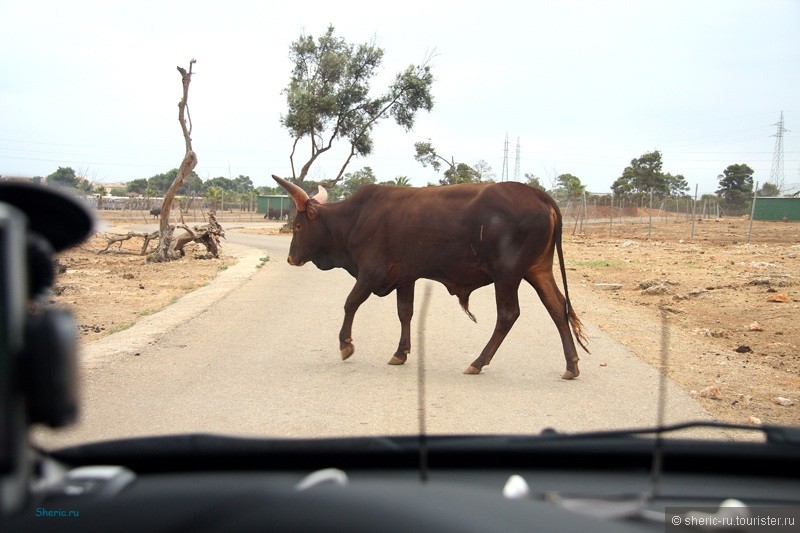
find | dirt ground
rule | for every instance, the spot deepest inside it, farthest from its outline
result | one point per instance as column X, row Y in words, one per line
column 732, row 307
column 109, row 292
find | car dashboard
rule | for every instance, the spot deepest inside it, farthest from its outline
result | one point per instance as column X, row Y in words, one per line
column 208, row 483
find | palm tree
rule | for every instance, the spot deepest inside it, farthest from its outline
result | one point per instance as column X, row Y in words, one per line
column 402, row 181
column 214, row 195
column 101, row 191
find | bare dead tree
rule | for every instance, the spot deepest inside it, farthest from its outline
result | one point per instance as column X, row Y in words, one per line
column 165, row 251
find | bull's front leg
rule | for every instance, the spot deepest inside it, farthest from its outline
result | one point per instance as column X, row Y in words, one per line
column 405, row 310
column 357, row 296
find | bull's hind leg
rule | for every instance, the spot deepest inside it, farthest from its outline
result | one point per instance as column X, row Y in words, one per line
column 555, row 303
column 507, row 313
column 405, row 310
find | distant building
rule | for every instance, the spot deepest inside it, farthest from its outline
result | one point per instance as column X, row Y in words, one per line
column 114, row 185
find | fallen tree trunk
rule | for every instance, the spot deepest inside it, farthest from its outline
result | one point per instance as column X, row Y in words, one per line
column 117, row 239
column 208, row 235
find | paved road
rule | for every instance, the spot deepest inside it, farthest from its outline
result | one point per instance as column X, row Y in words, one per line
column 264, row 360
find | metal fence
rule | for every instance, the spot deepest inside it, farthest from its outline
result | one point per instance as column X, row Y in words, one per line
column 192, row 209
column 693, row 222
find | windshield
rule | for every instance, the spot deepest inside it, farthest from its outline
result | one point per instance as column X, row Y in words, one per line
column 623, row 176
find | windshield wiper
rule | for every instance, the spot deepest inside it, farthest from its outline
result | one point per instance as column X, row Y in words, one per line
column 774, row 434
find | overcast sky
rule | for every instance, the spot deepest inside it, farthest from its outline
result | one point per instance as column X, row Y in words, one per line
column 585, row 86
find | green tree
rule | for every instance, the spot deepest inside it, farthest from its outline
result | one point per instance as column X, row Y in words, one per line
column 138, row 186
column 352, row 181
column 85, row 186
column 677, row 185
column 223, row 183
column 328, row 97
column 192, row 183
column 64, row 177
column 402, row 181
column 769, row 189
column 243, row 184
column 161, row 182
column 570, row 186
column 215, row 195
column 533, row 181
column 735, row 188
column 644, row 175
column 101, row 193
column 269, row 191
column 462, row 173
column 426, row 154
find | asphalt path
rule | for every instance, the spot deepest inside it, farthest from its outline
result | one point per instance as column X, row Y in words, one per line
column 256, row 353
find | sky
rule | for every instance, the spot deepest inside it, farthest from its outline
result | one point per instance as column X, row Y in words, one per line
column 583, row 87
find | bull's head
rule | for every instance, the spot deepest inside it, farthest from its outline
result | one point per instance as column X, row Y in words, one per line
column 308, row 236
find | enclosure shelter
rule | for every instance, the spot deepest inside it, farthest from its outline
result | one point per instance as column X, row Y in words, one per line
column 273, row 202
column 777, row 209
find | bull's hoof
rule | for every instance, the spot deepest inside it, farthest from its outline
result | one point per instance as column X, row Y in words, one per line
column 347, row 351
column 472, row 370
column 396, row 360
column 570, row 375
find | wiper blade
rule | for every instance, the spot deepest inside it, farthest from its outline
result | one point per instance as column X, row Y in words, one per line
column 774, row 434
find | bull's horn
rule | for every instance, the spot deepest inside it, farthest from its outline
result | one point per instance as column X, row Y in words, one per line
column 299, row 195
column 321, row 196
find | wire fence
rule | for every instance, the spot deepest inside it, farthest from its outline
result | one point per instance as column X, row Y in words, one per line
column 670, row 219
column 193, row 210
column 679, row 219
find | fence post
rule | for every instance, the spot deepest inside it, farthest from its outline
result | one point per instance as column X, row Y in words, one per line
column 752, row 213
column 694, row 209
column 583, row 221
column 650, row 212
column 611, row 215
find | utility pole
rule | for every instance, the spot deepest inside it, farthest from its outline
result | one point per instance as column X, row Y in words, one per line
column 776, row 175
column 516, row 163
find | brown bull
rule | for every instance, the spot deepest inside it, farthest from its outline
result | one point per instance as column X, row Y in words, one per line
column 463, row 236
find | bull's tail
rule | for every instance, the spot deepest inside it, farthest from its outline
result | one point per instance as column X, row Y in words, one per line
column 574, row 321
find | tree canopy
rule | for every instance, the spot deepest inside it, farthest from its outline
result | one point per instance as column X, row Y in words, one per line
column 462, row 173
column 735, row 187
column 769, row 189
column 353, row 180
column 533, row 181
column 328, row 97
column 570, row 186
column 426, row 154
column 65, row 177
column 644, row 175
